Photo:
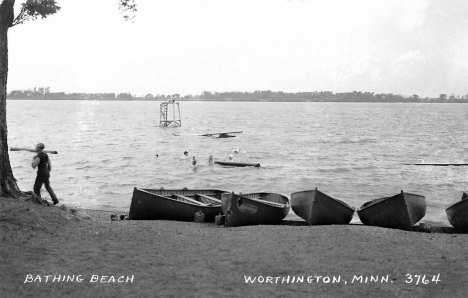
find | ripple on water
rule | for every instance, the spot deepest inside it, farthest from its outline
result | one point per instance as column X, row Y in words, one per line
column 85, row 167
column 354, row 151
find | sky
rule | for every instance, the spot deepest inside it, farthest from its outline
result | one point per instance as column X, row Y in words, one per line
column 190, row 46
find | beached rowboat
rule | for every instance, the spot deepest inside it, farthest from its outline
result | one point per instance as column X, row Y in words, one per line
column 175, row 204
column 401, row 211
column 254, row 209
column 317, row 208
column 457, row 215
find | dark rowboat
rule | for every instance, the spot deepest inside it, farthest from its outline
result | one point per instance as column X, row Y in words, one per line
column 317, row 208
column 175, row 204
column 237, row 164
column 254, row 209
column 457, row 215
column 401, row 211
column 221, row 134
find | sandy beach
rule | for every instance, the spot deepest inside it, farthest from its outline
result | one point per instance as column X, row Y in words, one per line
column 58, row 252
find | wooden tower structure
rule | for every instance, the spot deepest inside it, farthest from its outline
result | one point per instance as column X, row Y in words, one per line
column 167, row 109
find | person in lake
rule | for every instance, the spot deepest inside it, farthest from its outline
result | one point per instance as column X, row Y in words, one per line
column 43, row 164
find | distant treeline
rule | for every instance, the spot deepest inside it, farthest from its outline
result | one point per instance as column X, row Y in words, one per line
column 316, row 96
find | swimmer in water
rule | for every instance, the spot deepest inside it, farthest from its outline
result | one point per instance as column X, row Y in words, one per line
column 210, row 159
column 194, row 161
column 236, row 151
column 231, row 157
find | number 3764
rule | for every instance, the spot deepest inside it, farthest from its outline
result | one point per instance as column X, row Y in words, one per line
column 422, row 279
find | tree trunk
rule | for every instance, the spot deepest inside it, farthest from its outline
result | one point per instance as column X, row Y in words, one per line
column 8, row 185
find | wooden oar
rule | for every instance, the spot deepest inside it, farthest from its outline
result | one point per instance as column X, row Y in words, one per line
column 189, row 200
column 209, row 198
column 218, row 133
column 32, row 150
column 267, row 202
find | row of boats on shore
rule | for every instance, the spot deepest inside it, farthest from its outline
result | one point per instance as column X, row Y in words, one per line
column 401, row 211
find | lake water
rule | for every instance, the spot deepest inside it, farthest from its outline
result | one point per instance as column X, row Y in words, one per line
column 355, row 152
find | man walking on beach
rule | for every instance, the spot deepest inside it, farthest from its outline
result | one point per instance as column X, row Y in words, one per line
column 44, row 166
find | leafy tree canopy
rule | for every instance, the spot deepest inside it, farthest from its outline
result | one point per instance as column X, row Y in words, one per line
column 33, row 9
column 127, row 5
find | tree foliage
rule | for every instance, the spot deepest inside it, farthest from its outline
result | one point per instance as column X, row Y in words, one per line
column 33, row 9
column 127, row 5
column 44, row 93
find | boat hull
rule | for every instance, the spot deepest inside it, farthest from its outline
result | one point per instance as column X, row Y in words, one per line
column 237, row 164
column 457, row 215
column 153, row 204
column 317, row 208
column 254, row 209
column 401, row 211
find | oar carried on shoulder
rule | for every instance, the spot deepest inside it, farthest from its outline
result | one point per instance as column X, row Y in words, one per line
column 32, row 150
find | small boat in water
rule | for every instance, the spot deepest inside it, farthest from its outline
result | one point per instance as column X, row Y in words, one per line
column 237, row 164
column 457, row 214
column 220, row 135
column 175, row 204
column 262, row 208
column 317, row 208
column 401, row 211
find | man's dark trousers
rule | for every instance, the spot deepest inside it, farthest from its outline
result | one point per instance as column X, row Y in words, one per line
column 43, row 178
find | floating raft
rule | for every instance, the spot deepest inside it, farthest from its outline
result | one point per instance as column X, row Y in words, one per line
column 237, row 164
column 221, row 134
column 437, row 164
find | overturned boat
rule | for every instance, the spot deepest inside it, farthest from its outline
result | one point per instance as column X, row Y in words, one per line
column 457, row 214
column 317, row 208
column 400, row 211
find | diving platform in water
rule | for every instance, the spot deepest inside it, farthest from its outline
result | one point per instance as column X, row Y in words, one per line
column 166, row 110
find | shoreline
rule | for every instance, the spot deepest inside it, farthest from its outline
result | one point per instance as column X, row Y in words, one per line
column 244, row 101
column 169, row 258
